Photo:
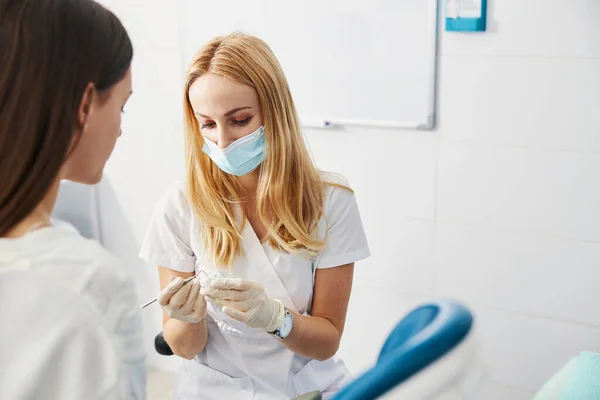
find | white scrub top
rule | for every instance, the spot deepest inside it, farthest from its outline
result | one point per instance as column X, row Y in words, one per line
column 239, row 362
column 71, row 327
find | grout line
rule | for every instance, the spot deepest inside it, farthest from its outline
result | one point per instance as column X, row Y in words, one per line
column 547, row 235
column 518, row 146
column 518, row 56
column 537, row 316
column 474, row 305
column 515, row 388
column 504, row 229
column 435, row 239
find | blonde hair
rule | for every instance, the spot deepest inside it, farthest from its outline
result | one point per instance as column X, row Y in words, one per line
column 290, row 190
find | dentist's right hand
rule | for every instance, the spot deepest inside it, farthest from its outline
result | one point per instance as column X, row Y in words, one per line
column 183, row 302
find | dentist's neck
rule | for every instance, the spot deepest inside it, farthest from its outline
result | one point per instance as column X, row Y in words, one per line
column 249, row 182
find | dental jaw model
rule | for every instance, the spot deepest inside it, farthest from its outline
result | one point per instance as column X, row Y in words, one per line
column 206, row 279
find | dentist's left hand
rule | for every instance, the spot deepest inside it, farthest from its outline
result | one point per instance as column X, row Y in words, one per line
column 247, row 302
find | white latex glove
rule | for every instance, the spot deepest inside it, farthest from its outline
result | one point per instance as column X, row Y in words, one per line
column 183, row 302
column 246, row 302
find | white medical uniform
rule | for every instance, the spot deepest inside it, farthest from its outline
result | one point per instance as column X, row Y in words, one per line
column 241, row 362
column 70, row 321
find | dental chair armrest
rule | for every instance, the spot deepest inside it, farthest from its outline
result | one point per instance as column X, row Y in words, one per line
column 161, row 345
column 316, row 395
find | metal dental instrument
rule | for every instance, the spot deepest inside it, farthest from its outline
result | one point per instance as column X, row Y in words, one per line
column 184, row 283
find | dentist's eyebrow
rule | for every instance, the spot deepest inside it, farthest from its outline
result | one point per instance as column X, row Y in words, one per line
column 228, row 113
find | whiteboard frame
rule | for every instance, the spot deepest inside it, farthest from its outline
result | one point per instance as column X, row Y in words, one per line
column 429, row 122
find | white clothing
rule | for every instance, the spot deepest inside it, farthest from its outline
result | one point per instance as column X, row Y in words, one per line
column 241, row 362
column 71, row 327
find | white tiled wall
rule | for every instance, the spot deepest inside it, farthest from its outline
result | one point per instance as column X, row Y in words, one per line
column 514, row 173
column 526, row 189
column 524, row 350
column 516, row 92
column 532, row 29
column 498, row 207
column 530, row 273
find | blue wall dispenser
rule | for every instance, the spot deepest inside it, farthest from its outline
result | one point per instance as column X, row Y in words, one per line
column 466, row 15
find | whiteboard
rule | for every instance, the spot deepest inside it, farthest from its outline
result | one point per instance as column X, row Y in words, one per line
column 348, row 62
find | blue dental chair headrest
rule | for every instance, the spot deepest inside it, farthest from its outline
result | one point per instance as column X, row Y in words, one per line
column 425, row 335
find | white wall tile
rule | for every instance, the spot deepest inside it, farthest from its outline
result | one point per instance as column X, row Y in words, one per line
column 522, row 272
column 533, row 102
column 390, row 170
column 525, row 189
column 523, row 352
column 402, row 254
column 500, row 392
column 544, row 28
column 152, row 25
column 149, row 156
column 372, row 314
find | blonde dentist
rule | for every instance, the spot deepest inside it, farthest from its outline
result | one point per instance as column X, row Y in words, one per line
column 254, row 207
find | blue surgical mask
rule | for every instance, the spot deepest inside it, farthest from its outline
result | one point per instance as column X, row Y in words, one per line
column 242, row 156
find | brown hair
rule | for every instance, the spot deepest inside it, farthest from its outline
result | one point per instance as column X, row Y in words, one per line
column 50, row 50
